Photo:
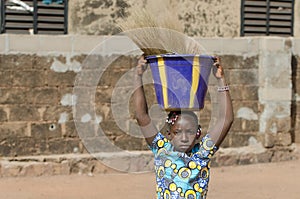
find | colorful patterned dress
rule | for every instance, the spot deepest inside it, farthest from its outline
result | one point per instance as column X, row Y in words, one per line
column 182, row 176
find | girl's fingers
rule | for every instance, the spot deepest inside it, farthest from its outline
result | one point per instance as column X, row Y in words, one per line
column 217, row 64
column 142, row 61
column 141, row 65
column 218, row 69
column 216, row 58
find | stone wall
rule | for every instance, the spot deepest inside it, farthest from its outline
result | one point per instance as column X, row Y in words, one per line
column 296, row 93
column 215, row 18
column 72, row 94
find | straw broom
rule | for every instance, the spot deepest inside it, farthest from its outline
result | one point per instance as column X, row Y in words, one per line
column 158, row 35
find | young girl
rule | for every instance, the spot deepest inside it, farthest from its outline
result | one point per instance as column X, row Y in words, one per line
column 182, row 161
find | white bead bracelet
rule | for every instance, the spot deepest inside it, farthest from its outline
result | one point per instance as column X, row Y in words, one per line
column 223, row 88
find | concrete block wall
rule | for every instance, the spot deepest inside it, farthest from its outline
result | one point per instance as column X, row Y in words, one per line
column 296, row 91
column 39, row 74
column 214, row 18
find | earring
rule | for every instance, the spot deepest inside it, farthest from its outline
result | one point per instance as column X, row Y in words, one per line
column 198, row 132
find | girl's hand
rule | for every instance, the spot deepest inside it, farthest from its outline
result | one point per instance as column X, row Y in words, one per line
column 217, row 68
column 141, row 66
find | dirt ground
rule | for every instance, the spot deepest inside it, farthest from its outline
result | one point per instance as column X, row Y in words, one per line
column 259, row 181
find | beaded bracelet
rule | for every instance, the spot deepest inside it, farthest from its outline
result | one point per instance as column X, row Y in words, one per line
column 223, row 88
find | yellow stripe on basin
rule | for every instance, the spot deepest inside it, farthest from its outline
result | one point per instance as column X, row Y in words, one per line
column 163, row 79
column 195, row 80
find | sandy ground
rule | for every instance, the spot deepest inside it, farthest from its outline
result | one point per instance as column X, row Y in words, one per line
column 259, row 181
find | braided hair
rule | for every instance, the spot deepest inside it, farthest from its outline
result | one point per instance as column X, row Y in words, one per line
column 173, row 116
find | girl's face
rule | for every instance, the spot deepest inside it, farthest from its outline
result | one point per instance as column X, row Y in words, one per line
column 183, row 133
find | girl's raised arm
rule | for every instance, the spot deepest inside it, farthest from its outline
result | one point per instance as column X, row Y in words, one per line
column 140, row 104
column 225, row 110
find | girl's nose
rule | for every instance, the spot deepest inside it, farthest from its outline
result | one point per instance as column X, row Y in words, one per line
column 184, row 137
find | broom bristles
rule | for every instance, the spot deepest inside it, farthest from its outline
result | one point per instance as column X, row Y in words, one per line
column 158, row 36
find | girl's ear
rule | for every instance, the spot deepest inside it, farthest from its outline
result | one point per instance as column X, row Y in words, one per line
column 168, row 135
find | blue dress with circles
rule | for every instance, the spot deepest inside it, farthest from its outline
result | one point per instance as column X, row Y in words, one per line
column 182, row 176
